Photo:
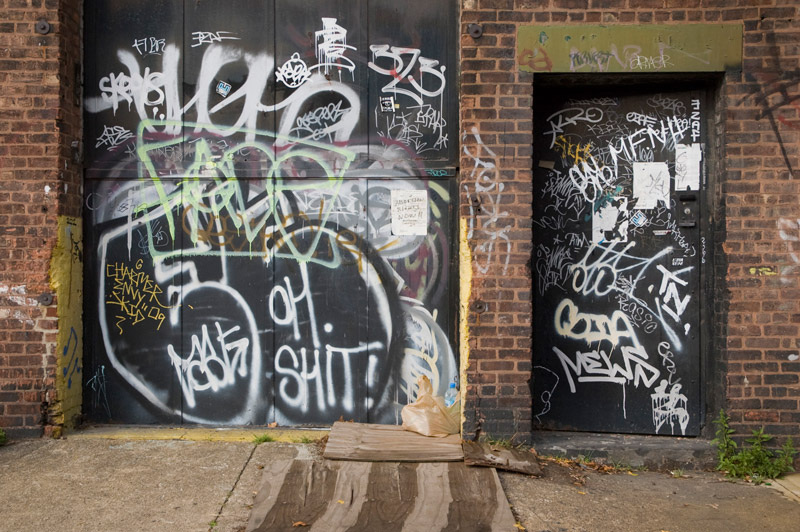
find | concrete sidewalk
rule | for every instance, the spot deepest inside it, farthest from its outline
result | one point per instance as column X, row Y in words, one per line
column 192, row 480
column 78, row 484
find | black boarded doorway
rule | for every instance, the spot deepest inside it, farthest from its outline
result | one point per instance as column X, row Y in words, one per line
column 618, row 181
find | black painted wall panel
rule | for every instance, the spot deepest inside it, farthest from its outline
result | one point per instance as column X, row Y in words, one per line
column 251, row 194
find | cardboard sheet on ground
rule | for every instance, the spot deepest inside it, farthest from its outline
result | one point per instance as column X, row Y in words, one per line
column 389, row 443
column 369, row 497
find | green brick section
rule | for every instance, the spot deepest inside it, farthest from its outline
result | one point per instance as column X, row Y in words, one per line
column 630, row 48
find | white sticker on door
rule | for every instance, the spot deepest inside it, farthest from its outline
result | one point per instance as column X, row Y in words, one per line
column 687, row 166
column 610, row 221
column 650, row 184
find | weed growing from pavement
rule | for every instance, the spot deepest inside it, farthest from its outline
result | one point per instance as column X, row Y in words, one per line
column 754, row 463
column 3, row 437
column 624, row 467
column 264, row 438
column 504, row 443
column 584, row 462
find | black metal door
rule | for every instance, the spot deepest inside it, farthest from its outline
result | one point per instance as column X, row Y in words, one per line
column 617, row 183
column 246, row 165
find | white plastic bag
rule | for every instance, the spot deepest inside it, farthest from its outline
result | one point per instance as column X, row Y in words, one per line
column 428, row 415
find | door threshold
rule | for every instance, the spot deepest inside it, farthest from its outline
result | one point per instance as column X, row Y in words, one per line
column 196, row 433
column 658, row 453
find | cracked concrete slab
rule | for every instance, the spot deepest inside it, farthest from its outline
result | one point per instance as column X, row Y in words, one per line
column 95, row 484
column 101, row 485
column 587, row 501
column 236, row 511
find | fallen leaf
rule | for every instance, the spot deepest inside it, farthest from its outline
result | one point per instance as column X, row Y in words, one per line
column 273, row 424
column 582, row 492
column 340, row 501
column 299, row 523
column 519, row 526
column 631, row 473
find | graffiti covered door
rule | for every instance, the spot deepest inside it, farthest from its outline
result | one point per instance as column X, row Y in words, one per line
column 618, row 178
column 242, row 169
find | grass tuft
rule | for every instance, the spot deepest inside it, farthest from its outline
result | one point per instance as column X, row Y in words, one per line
column 263, row 438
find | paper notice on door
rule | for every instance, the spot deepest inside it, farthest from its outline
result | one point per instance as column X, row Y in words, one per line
column 650, row 184
column 610, row 221
column 409, row 212
column 687, row 166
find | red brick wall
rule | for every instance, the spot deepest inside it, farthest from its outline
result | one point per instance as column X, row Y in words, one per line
column 496, row 117
column 757, row 296
column 757, row 260
column 38, row 181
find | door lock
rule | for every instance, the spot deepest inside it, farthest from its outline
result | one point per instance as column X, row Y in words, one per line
column 687, row 213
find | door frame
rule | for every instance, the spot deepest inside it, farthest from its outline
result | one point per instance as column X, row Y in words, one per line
column 713, row 265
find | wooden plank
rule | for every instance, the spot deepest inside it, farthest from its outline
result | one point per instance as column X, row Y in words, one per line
column 348, row 497
column 391, row 494
column 433, row 489
column 789, row 485
column 793, row 481
column 272, row 479
column 474, row 498
column 389, row 443
column 385, row 496
column 482, row 454
column 502, row 519
column 303, row 498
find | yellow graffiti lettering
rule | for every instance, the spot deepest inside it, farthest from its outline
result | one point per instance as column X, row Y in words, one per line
column 134, row 292
column 763, row 271
column 574, row 153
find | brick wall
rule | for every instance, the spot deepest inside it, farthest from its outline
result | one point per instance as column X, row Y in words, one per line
column 496, row 201
column 38, row 181
column 755, row 204
column 762, row 144
column 757, row 261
